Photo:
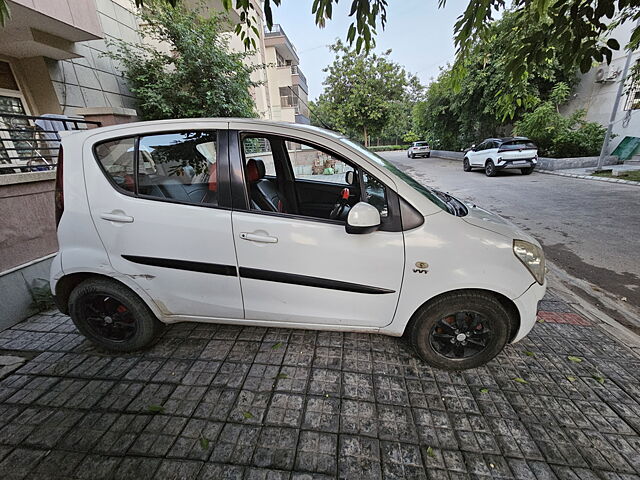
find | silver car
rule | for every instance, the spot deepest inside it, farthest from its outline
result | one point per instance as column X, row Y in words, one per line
column 419, row 149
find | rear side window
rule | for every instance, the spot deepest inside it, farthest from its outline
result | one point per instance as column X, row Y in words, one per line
column 518, row 145
column 117, row 160
column 179, row 166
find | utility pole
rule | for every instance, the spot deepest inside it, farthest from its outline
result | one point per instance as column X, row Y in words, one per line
column 607, row 137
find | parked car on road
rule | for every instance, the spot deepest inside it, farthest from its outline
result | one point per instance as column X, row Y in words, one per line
column 419, row 149
column 224, row 221
column 496, row 154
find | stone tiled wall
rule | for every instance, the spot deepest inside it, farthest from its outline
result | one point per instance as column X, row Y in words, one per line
column 94, row 80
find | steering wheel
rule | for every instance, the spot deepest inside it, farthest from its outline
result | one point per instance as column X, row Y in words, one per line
column 341, row 205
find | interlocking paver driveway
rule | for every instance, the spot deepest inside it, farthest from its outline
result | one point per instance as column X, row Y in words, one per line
column 226, row 402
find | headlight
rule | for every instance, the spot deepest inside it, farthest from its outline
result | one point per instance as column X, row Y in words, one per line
column 532, row 257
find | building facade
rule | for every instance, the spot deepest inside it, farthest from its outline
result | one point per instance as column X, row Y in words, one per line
column 597, row 90
column 287, row 84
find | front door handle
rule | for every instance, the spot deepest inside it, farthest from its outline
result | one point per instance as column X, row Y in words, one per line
column 254, row 237
column 116, row 217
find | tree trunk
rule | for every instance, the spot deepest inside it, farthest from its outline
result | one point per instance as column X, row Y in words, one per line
column 366, row 137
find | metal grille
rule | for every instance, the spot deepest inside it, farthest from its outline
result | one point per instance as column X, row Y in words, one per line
column 25, row 146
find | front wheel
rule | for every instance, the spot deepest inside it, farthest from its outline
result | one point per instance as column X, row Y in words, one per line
column 460, row 330
column 527, row 171
column 490, row 169
column 412, row 156
column 112, row 316
column 428, row 155
column 466, row 166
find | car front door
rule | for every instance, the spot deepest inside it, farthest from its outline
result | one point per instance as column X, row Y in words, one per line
column 304, row 268
column 476, row 158
column 160, row 202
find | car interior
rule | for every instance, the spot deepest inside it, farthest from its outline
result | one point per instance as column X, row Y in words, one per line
column 329, row 196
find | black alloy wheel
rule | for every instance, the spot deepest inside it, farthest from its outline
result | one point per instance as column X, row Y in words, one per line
column 108, row 318
column 460, row 335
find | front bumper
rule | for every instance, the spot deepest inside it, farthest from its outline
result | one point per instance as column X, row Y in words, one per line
column 423, row 153
column 527, row 305
column 520, row 163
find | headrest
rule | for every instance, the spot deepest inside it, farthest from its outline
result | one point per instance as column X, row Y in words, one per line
column 254, row 170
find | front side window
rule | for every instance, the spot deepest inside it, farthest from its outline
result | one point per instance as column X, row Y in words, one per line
column 309, row 163
column 179, row 166
column 375, row 194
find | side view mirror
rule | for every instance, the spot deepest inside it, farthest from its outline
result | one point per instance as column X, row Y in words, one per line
column 350, row 177
column 363, row 218
column 473, row 147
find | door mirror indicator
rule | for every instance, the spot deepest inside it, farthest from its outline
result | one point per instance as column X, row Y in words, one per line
column 363, row 218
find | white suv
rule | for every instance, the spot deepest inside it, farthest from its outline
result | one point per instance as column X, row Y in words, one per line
column 419, row 149
column 249, row 222
column 496, row 154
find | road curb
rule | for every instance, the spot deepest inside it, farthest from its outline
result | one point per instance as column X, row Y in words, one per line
column 589, row 177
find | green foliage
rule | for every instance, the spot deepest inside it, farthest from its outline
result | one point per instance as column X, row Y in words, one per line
column 366, row 93
column 557, row 135
column 198, row 77
column 42, row 298
column 462, row 107
column 576, row 32
column 410, row 137
column 387, row 148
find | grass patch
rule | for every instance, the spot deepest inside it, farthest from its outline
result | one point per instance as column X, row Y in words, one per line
column 633, row 175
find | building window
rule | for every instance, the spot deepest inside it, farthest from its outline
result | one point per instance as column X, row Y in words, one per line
column 288, row 96
column 14, row 132
column 633, row 94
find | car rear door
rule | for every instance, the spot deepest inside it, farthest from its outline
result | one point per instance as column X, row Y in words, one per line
column 307, row 270
column 160, row 203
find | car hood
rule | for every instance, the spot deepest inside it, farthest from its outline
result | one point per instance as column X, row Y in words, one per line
column 479, row 217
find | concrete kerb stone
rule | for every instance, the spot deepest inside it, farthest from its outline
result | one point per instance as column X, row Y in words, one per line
column 588, row 177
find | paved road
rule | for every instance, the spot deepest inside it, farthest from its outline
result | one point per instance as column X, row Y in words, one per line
column 590, row 229
column 226, row 402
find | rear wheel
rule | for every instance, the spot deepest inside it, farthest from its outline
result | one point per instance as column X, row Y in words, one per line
column 112, row 316
column 466, row 166
column 460, row 330
column 490, row 169
column 527, row 171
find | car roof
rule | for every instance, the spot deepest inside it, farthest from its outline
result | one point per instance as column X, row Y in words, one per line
column 505, row 139
column 178, row 121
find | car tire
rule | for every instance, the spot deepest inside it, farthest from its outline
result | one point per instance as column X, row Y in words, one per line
column 490, row 169
column 112, row 316
column 426, row 323
column 408, row 155
column 466, row 166
column 412, row 155
column 428, row 155
column 527, row 171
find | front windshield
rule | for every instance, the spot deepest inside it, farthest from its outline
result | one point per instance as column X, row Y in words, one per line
column 417, row 186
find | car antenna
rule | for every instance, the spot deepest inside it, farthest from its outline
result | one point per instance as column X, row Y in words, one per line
column 309, row 107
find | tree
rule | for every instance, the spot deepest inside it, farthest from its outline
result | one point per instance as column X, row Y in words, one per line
column 486, row 102
column 362, row 91
column 199, row 77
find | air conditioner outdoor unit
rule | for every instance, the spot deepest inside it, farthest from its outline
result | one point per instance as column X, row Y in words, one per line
column 606, row 74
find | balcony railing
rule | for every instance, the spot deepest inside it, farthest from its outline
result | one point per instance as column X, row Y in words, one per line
column 29, row 143
column 295, row 70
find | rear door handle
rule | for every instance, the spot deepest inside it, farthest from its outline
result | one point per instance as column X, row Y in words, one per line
column 254, row 237
column 116, row 217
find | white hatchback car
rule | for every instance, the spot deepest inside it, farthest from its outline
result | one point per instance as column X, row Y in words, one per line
column 248, row 222
column 496, row 154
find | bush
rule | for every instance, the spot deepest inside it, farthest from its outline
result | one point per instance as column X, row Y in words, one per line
column 560, row 136
column 388, row 148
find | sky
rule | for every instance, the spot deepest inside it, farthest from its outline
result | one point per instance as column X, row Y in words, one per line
column 419, row 34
